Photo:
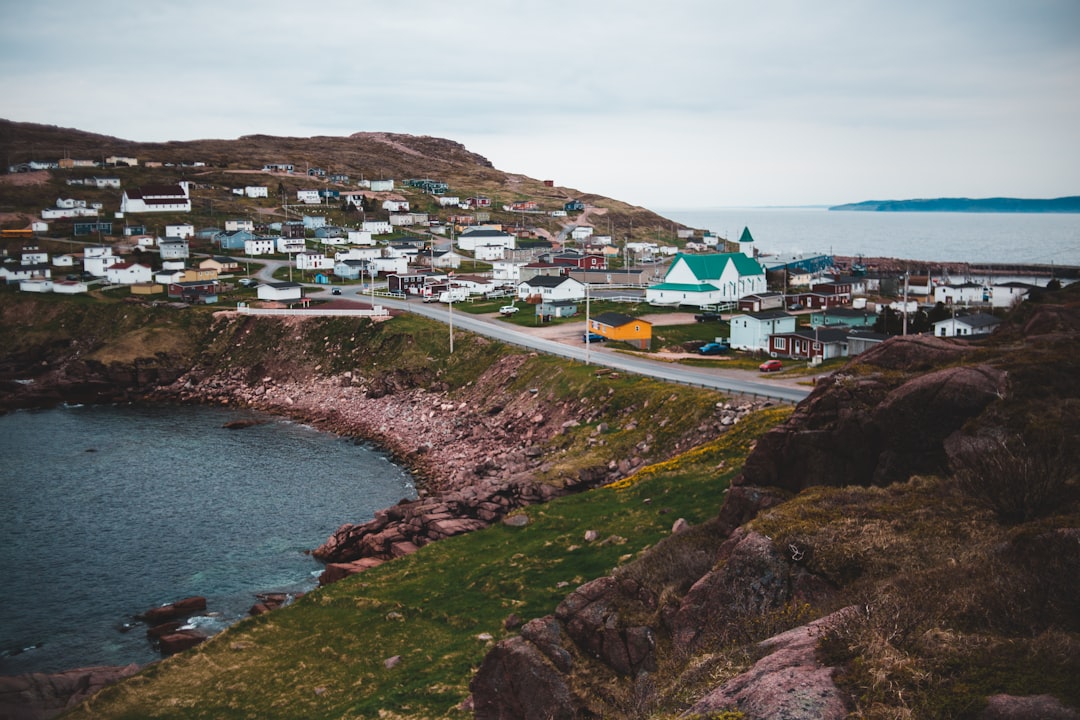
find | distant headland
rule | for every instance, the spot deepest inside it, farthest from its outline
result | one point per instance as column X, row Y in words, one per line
column 986, row 205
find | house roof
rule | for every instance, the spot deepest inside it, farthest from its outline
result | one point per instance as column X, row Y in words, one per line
column 282, row 285
column 548, row 280
column 484, row 233
column 712, row 266
column 685, row 287
column 615, row 319
column 746, row 237
column 978, row 320
column 768, row 315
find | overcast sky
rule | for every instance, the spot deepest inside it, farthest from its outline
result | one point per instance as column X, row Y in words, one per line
column 676, row 104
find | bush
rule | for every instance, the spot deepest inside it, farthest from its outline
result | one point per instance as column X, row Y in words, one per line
column 1019, row 480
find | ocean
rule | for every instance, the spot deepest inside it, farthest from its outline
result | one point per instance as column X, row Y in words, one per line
column 1022, row 238
column 108, row 511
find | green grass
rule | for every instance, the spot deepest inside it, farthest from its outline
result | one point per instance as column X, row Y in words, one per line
column 324, row 656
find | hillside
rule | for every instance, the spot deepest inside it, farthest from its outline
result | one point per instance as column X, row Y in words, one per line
column 903, row 545
column 226, row 164
column 967, row 205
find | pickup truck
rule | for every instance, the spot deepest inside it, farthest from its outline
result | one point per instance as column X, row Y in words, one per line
column 707, row 316
column 508, row 309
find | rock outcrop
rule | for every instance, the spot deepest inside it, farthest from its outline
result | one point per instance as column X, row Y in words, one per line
column 39, row 696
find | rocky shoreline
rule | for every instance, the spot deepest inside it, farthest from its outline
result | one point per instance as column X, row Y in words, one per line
column 475, row 456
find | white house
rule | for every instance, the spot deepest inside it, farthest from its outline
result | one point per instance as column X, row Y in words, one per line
column 360, row 237
column 246, row 225
column 313, row 260
column 966, row 325
column 18, row 273
column 128, row 273
column 38, row 286
column 489, row 252
column 470, row 239
column 395, row 206
column 73, row 212
column 388, row 265
column 448, row 200
column 174, row 248
column 256, row 191
column 1008, row 294
column 157, row 198
column 552, row 288
column 308, row 197
column 97, row 259
column 280, row 291
column 966, row 293
column 708, row 280
column 69, row 287
column 752, row 330
column 290, row 244
column 381, row 185
column 507, row 271
column 445, row 259
column 33, row 257
column 377, row 227
column 581, row 232
column 365, row 253
column 167, row 276
column 65, row 260
column 259, row 246
column 180, row 231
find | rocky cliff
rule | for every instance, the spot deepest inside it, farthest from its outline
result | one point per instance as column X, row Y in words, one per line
column 858, row 533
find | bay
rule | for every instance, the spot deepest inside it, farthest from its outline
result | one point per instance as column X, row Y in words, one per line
column 1021, row 238
column 108, row 511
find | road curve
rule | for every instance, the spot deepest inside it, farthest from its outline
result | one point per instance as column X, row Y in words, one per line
column 592, row 354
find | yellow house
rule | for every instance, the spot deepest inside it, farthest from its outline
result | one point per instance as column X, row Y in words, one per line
column 147, row 288
column 616, row 326
column 221, row 264
column 200, row 274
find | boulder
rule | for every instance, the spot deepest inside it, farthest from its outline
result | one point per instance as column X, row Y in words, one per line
column 181, row 640
column 38, row 696
column 517, row 682
column 788, row 682
column 179, row 609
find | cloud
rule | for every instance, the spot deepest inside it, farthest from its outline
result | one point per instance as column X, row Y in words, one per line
column 773, row 102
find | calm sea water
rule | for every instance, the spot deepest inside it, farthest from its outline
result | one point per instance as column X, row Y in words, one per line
column 108, row 511
column 946, row 237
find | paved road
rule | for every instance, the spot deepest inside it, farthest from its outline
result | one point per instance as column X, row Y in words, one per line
column 726, row 380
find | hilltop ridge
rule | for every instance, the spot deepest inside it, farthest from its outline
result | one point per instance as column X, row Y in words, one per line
column 1069, row 204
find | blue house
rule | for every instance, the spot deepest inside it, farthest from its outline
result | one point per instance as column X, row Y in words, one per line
column 233, row 239
column 574, row 206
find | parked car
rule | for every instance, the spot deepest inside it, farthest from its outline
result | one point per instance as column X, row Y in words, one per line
column 795, row 306
column 508, row 309
column 592, row 337
column 771, row 366
column 713, row 348
column 707, row 316
column 336, row 291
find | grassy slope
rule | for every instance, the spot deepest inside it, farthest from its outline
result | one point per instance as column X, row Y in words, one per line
column 324, row 656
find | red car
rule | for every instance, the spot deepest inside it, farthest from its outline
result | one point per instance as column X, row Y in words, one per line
column 771, row 366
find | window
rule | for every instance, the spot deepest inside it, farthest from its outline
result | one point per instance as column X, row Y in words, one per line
column 781, row 343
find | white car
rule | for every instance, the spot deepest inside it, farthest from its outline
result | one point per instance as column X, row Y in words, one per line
column 508, row 309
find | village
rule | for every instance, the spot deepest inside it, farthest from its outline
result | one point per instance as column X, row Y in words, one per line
column 367, row 239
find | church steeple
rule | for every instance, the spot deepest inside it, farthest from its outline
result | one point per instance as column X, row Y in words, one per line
column 746, row 243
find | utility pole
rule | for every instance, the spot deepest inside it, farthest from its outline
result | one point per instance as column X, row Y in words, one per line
column 904, row 329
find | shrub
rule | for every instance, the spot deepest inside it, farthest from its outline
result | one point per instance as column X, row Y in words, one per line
column 1018, row 479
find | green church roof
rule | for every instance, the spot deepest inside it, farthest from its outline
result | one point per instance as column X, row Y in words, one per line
column 711, row 267
column 746, row 237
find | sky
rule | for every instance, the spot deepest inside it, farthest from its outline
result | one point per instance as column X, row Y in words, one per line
column 668, row 105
